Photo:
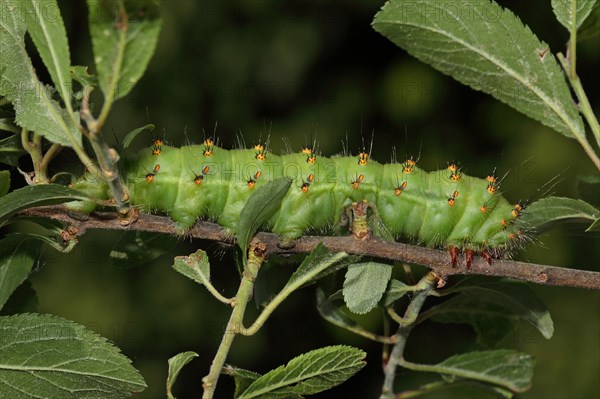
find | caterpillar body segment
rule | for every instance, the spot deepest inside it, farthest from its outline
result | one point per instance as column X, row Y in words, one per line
column 441, row 208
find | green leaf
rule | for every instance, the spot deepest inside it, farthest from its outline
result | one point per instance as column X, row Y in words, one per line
column 7, row 125
column 591, row 27
column 572, row 13
column 319, row 263
column 331, row 309
column 589, row 179
column 81, row 75
column 594, row 226
column 54, row 240
column 176, row 363
column 47, row 30
column 506, row 368
column 243, row 378
column 396, row 290
column 23, row 300
column 11, row 150
column 124, row 35
column 28, row 197
column 493, row 309
column 365, row 284
column 309, row 373
column 262, row 204
column 136, row 248
column 133, row 134
column 462, row 389
column 273, row 276
column 4, row 182
column 44, row 356
column 196, row 266
column 34, row 107
column 16, row 260
column 489, row 49
column 546, row 212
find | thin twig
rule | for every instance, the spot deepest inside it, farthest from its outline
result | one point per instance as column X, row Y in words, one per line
column 406, row 324
column 436, row 260
column 108, row 159
column 236, row 321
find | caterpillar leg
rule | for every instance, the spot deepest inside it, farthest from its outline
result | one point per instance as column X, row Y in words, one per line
column 469, row 257
column 183, row 219
column 453, row 255
column 486, row 255
column 287, row 242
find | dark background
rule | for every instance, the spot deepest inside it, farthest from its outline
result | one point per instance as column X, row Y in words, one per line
column 304, row 69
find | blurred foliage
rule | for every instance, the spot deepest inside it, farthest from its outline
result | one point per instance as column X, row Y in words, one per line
column 302, row 70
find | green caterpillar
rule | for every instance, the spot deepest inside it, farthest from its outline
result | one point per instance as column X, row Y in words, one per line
column 444, row 208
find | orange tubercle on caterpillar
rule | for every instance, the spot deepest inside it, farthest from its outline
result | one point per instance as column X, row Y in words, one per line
column 517, row 210
column 455, row 177
column 452, row 200
column 198, row 179
column 398, row 190
column 150, row 176
column 251, row 183
column 408, row 165
column 208, row 147
column 363, row 158
column 359, row 179
column 261, row 155
column 304, row 187
column 492, row 187
column 311, row 177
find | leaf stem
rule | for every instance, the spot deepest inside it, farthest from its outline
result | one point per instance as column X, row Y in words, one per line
column 584, row 105
column 235, row 324
column 286, row 291
column 426, row 284
column 40, row 163
column 52, row 152
column 214, row 292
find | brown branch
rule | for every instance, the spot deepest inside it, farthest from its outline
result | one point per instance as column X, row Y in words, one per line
column 436, row 260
